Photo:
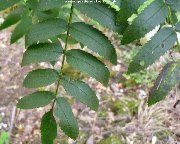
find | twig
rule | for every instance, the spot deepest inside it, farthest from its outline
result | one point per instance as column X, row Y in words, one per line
column 12, row 121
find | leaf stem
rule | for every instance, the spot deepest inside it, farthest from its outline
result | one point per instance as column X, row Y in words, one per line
column 64, row 51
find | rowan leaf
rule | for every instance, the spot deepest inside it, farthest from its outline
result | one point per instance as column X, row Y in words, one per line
column 89, row 64
column 146, row 21
column 35, row 100
column 21, row 29
column 81, row 91
column 45, row 30
column 4, row 4
column 48, row 128
column 94, row 40
column 15, row 16
column 40, row 78
column 169, row 78
column 68, row 122
column 156, row 47
column 46, row 52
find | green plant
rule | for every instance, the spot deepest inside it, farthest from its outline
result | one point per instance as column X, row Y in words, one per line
column 44, row 22
column 4, row 137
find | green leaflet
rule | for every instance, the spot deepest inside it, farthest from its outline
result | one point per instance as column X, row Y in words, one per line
column 100, row 12
column 89, row 64
column 14, row 17
column 178, row 27
column 156, row 47
column 43, row 31
column 152, row 16
column 94, row 40
column 48, row 128
column 35, row 100
column 169, row 78
column 81, row 91
column 21, row 29
column 44, row 5
column 68, row 122
column 40, row 16
column 173, row 18
column 46, row 52
column 128, row 7
column 40, row 78
column 174, row 4
column 32, row 4
column 4, row 4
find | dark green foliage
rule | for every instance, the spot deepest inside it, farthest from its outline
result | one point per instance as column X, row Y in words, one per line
column 152, row 51
column 100, row 12
column 169, row 78
column 21, row 29
column 82, row 92
column 43, row 31
column 40, row 78
column 94, row 40
column 128, row 7
column 48, row 128
column 178, row 26
column 35, row 100
column 4, row 4
column 42, row 53
column 68, row 122
column 174, row 4
column 15, row 16
column 152, row 16
column 44, row 5
column 48, row 23
column 71, row 40
column 89, row 64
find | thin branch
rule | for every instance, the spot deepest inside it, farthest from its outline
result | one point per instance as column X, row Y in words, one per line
column 64, row 51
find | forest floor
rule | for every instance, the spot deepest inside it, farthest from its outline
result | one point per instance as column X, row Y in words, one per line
column 123, row 116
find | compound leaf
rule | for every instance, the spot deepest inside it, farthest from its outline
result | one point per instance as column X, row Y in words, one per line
column 46, row 52
column 35, row 100
column 94, row 40
column 48, row 128
column 81, row 91
column 45, row 30
column 89, row 64
column 68, row 122
column 40, row 77
column 156, row 47
column 169, row 78
column 152, row 16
